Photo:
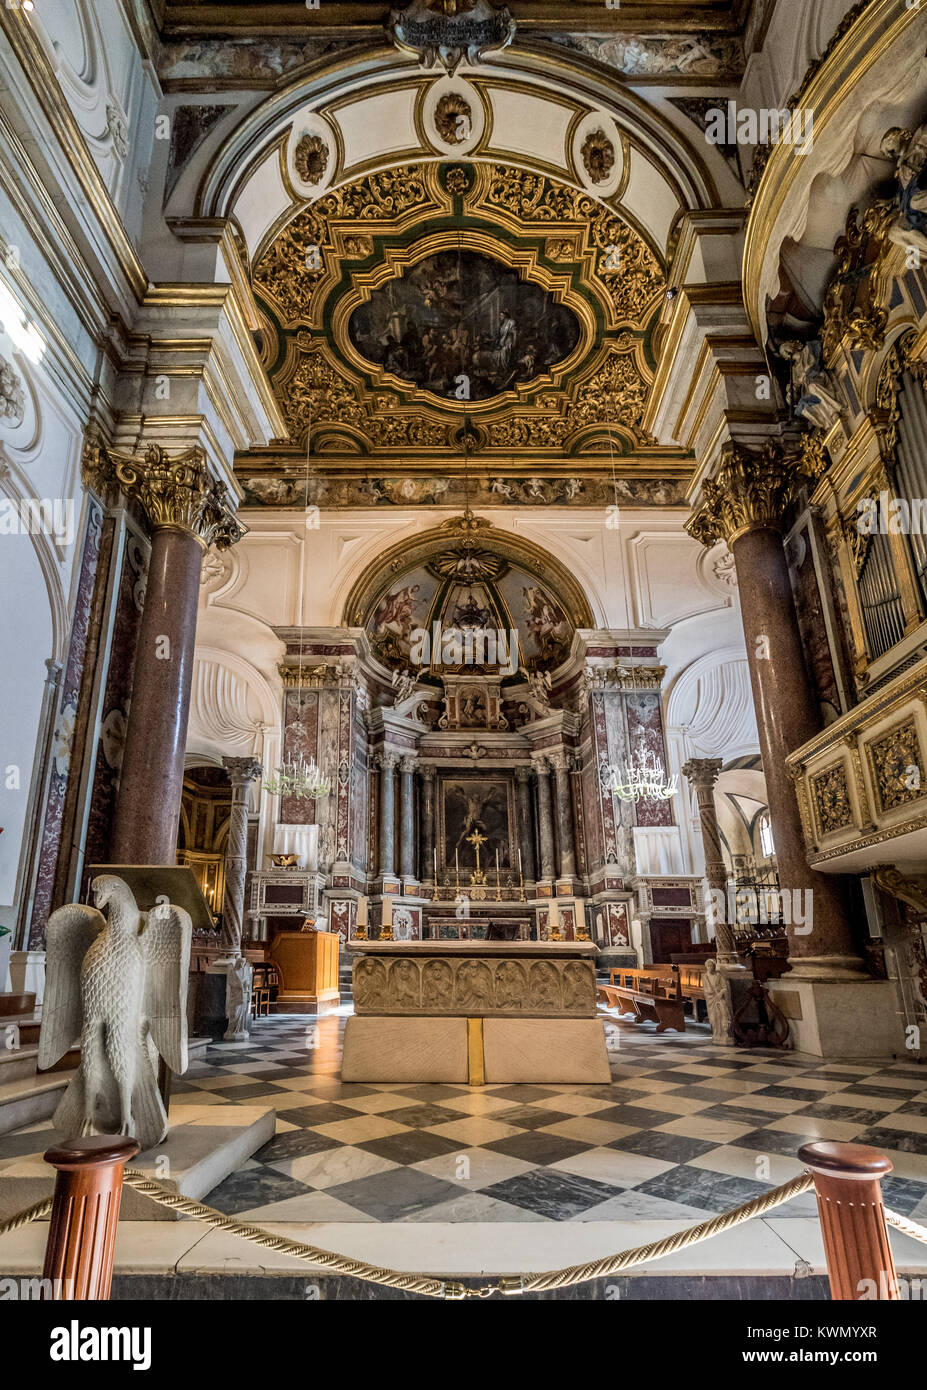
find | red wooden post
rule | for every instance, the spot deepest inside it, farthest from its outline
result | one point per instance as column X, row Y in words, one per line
column 848, row 1186
column 85, row 1214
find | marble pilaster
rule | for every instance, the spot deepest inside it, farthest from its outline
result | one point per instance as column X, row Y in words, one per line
column 387, row 765
column 407, row 819
column 545, row 820
column 566, row 839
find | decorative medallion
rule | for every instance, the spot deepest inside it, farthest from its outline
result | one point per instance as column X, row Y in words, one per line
column 451, row 31
column 598, row 155
column 310, row 158
column 832, row 800
column 453, row 118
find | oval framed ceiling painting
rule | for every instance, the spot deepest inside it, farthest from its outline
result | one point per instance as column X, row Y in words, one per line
column 464, row 327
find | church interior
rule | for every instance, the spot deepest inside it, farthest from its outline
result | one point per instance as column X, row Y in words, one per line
column 463, row 535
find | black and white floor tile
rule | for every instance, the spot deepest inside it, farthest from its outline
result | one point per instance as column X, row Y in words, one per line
column 685, row 1129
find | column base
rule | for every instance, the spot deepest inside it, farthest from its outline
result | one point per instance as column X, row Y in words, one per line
column 855, row 1017
column 822, row 968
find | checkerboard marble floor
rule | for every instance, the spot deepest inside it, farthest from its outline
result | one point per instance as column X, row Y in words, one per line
column 684, row 1129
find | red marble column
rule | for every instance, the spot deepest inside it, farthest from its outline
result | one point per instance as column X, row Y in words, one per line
column 151, row 777
column 187, row 511
column 746, row 504
column 787, row 715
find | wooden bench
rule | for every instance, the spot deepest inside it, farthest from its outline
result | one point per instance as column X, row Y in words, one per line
column 649, row 995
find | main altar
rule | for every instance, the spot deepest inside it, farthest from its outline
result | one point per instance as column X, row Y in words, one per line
column 474, row 1012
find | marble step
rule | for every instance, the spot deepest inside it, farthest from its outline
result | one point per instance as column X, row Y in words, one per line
column 206, row 1143
column 18, row 1065
column 30, row 1099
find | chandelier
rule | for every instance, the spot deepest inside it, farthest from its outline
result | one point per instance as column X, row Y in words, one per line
column 300, row 779
column 641, row 780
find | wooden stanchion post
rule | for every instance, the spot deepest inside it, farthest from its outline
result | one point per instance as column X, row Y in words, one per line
column 85, row 1213
column 848, row 1186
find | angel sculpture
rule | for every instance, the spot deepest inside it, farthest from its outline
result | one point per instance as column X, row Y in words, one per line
column 119, row 983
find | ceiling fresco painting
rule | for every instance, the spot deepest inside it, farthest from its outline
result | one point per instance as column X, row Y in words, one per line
column 437, row 320
column 460, row 321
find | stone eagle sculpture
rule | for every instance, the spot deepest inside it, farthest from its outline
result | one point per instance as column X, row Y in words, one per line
column 119, row 984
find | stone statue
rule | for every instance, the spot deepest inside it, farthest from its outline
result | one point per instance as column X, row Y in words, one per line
column 908, row 151
column 238, row 981
column 717, row 1002
column 119, row 984
column 811, row 393
column 404, row 683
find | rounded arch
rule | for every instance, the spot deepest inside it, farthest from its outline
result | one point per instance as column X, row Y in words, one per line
column 667, row 172
column 472, row 533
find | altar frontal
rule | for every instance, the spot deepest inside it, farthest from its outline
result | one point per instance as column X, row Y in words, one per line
column 474, row 1012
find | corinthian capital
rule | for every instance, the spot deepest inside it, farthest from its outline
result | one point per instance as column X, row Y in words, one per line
column 751, row 490
column 702, row 772
column 241, row 771
column 177, row 492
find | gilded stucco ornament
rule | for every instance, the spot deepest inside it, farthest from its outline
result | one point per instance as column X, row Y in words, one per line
column 310, row 158
column 832, row 800
column 751, row 490
column 451, row 32
column 598, row 156
column 454, row 118
column 176, row 491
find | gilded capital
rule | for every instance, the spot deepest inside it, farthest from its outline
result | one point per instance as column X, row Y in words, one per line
column 752, row 490
column 174, row 491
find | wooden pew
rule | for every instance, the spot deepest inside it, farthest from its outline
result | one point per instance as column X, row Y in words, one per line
column 648, row 995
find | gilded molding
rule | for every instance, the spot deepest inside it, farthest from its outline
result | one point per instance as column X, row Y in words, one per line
column 751, row 490
column 176, row 491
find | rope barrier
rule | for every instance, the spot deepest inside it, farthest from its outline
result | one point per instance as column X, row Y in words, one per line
column 432, row 1287
column 22, row 1218
column 440, row 1288
column 907, row 1228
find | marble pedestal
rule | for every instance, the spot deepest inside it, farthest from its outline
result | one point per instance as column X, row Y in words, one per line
column 840, row 1018
column 474, row 1012
column 27, row 973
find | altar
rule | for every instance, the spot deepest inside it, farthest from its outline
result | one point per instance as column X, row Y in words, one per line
column 474, row 1012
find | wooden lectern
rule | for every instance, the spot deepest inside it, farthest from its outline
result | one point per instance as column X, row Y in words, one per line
column 308, row 966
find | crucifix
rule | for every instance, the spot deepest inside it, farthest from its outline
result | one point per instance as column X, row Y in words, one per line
column 477, row 839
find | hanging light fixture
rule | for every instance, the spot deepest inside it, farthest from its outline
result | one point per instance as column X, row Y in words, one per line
column 643, row 779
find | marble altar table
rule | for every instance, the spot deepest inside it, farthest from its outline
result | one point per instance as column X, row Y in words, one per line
column 474, row 1012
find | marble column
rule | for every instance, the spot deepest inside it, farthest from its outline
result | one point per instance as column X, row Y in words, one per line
column 387, row 765
column 545, row 820
column 560, row 762
column 746, row 505
column 242, row 772
column 525, row 823
column 406, row 819
column 703, row 774
column 187, row 511
column 427, row 867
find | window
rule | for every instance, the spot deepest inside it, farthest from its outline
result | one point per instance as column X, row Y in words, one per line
column 767, row 848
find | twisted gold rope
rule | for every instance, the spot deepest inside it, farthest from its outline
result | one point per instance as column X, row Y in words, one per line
column 439, row 1288
column 908, row 1228
column 22, row 1218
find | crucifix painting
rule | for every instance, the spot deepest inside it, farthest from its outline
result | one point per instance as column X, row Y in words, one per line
column 476, row 812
